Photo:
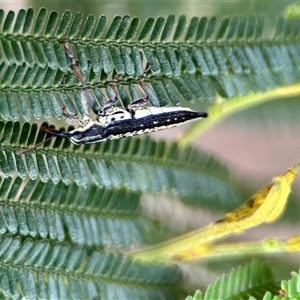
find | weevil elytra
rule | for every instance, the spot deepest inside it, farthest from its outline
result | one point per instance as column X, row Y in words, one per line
column 113, row 122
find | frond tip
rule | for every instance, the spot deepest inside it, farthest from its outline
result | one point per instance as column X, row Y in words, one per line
column 290, row 289
column 252, row 280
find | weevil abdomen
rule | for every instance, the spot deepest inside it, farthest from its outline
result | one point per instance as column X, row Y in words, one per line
column 142, row 120
column 140, row 124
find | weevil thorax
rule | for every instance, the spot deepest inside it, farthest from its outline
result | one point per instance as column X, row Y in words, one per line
column 92, row 131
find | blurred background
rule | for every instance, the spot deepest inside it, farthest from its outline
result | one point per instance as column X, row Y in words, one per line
column 256, row 144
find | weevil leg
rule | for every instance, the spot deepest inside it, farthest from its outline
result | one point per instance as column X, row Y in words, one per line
column 141, row 101
column 111, row 102
column 69, row 118
column 85, row 97
column 35, row 146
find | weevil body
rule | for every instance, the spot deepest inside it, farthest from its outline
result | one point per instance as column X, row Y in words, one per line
column 114, row 122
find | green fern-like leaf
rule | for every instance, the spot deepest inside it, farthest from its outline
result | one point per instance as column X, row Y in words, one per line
column 91, row 195
column 290, row 289
column 88, row 198
column 137, row 165
column 54, row 270
column 228, row 57
column 245, row 282
column 60, row 207
column 92, row 216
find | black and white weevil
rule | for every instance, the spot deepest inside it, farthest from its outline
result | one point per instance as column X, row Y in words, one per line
column 114, row 122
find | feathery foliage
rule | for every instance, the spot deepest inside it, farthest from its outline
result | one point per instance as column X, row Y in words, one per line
column 131, row 163
column 89, row 197
column 290, row 288
column 190, row 61
column 68, row 213
column 75, row 194
column 54, row 270
column 252, row 280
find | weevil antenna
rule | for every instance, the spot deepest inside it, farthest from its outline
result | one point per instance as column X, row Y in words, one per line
column 56, row 132
column 35, row 146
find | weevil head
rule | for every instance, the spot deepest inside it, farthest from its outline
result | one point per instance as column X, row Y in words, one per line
column 89, row 134
column 54, row 132
column 92, row 133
